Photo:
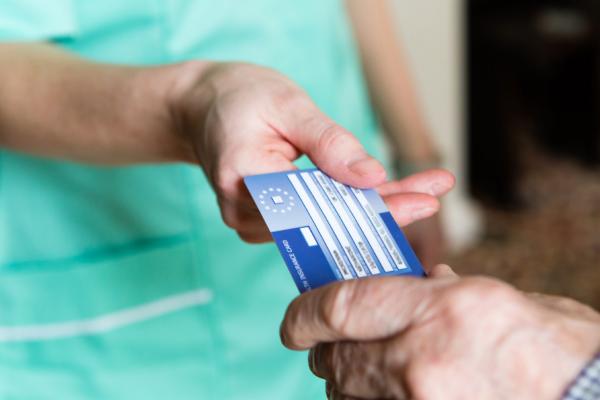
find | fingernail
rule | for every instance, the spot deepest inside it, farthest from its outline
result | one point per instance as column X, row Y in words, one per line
column 422, row 213
column 365, row 166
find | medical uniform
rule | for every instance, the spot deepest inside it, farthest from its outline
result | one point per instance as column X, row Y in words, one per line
column 123, row 283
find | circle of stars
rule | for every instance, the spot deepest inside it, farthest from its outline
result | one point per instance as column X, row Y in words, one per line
column 285, row 201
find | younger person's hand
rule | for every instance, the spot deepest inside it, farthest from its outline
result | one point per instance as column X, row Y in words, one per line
column 244, row 119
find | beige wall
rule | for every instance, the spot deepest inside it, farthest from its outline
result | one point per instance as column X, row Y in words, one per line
column 431, row 32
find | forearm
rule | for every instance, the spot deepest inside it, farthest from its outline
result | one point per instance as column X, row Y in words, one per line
column 57, row 105
column 389, row 81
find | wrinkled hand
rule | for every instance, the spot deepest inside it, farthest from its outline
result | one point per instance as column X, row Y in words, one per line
column 440, row 338
column 245, row 120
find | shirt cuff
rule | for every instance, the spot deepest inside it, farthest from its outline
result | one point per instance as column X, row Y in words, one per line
column 587, row 384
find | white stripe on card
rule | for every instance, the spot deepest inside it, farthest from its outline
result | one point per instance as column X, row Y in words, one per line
column 364, row 226
column 337, row 229
column 321, row 227
column 381, row 229
column 347, row 221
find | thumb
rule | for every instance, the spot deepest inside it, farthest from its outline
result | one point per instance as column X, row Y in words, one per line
column 336, row 151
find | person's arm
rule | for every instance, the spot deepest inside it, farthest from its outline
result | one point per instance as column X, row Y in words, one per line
column 394, row 96
column 390, row 83
column 55, row 104
column 232, row 119
column 443, row 337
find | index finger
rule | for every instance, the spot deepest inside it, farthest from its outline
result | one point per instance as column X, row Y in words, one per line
column 332, row 148
column 363, row 309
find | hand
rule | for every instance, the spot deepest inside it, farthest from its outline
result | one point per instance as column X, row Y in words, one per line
column 440, row 338
column 244, row 119
column 427, row 240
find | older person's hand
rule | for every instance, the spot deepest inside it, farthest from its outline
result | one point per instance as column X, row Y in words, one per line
column 440, row 338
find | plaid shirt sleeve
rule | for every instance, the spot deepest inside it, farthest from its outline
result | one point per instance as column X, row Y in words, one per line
column 587, row 384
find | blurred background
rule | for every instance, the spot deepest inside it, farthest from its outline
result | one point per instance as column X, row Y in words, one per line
column 511, row 89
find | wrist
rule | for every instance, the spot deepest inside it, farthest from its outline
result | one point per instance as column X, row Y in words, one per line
column 586, row 386
column 579, row 342
column 180, row 101
column 192, row 99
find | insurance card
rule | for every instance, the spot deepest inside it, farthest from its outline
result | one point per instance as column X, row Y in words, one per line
column 327, row 231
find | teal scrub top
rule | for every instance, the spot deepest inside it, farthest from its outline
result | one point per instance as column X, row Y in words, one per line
column 123, row 283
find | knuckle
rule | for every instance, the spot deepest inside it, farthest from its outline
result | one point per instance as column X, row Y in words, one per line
column 351, row 364
column 332, row 136
column 493, row 290
column 355, row 367
column 229, row 216
column 336, row 310
column 286, row 96
column 423, row 369
column 340, row 355
column 471, row 293
column 226, row 182
column 567, row 303
column 319, row 359
column 289, row 97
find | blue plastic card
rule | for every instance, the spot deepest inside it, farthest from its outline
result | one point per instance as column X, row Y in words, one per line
column 327, row 231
